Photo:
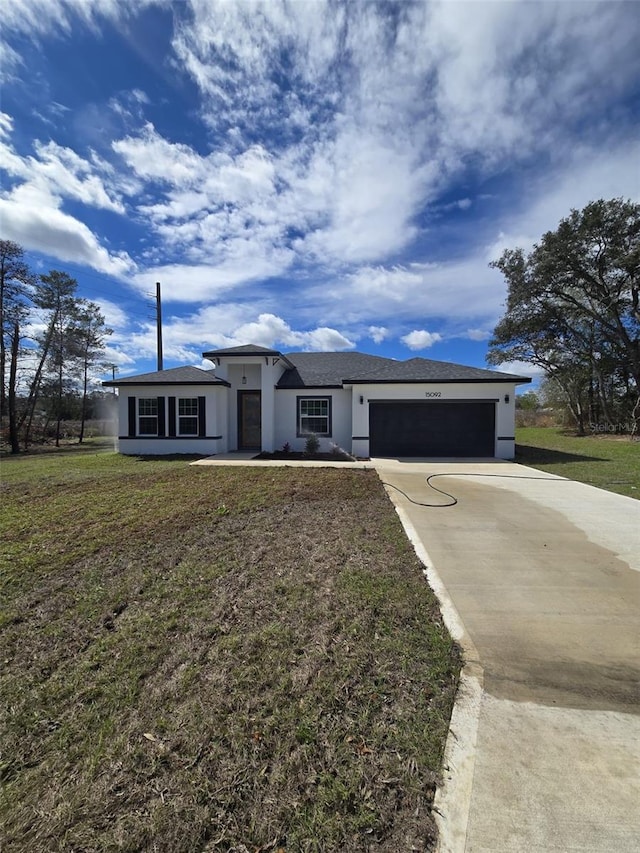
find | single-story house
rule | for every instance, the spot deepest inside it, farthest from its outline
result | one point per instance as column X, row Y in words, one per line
column 259, row 399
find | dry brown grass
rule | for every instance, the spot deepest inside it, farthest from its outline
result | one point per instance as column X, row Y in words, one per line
column 214, row 659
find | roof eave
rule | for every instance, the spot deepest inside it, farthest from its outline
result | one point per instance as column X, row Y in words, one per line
column 150, row 384
column 306, row 387
column 517, row 380
column 215, row 355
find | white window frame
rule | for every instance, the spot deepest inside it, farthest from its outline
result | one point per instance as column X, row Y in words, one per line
column 143, row 404
column 302, row 419
column 192, row 415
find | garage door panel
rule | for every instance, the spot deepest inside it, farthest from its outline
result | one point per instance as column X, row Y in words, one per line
column 416, row 428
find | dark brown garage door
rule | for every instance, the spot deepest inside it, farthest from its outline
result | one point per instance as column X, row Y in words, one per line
column 416, row 428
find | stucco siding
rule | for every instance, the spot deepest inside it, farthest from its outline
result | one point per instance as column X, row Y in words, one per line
column 505, row 411
column 349, row 416
column 215, row 439
column 168, row 446
column 286, row 418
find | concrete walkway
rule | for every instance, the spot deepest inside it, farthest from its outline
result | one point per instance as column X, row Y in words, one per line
column 539, row 581
column 237, row 458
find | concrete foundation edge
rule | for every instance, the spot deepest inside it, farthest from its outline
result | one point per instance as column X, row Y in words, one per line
column 452, row 801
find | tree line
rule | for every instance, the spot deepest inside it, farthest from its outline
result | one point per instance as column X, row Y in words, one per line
column 573, row 309
column 51, row 343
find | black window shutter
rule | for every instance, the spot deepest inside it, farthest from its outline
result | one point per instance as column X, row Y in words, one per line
column 161, row 416
column 202, row 417
column 172, row 416
column 132, row 417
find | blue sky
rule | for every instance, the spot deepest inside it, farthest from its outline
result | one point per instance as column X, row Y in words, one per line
column 307, row 175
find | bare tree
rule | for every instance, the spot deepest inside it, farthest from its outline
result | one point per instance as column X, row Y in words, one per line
column 55, row 294
column 87, row 335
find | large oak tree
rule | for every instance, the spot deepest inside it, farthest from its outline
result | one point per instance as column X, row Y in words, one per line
column 573, row 304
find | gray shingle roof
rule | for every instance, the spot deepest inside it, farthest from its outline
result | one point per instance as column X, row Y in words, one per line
column 172, row 376
column 428, row 370
column 326, row 369
column 332, row 369
column 329, row 370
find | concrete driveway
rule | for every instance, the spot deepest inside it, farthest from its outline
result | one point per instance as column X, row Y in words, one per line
column 539, row 581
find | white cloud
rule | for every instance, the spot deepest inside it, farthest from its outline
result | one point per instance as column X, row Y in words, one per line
column 115, row 355
column 114, row 316
column 222, row 213
column 267, row 331
column 374, row 192
column 588, row 176
column 224, row 325
column 378, row 333
column 530, row 59
column 140, row 96
column 465, row 295
column 450, row 292
column 326, row 340
column 6, row 125
column 153, row 157
column 32, row 212
column 325, row 177
column 207, row 282
column 37, row 18
column 520, row 368
column 31, row 216
column 252, row 36
column 64, row 173
column 405, row 107
column 10, row 62
column 420, row 339
column 478, row 334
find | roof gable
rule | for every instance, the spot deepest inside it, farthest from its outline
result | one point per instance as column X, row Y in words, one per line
column 245, row 349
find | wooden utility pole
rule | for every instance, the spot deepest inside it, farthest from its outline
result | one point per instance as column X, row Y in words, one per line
column 159, row 324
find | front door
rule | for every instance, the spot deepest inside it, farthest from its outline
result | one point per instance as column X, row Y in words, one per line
column 249, row 420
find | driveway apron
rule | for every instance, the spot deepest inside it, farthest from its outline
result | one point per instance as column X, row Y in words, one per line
column 540, row 578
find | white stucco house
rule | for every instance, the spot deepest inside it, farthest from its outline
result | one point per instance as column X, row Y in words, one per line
column 259, row 399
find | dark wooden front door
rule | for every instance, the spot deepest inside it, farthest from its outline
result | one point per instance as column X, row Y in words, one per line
column 249, row 420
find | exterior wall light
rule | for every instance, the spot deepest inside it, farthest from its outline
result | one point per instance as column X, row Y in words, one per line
column 506, row 398
column 361, row 399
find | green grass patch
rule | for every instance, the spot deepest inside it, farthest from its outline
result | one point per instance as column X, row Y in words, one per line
column 214, row 659
column 608, row 462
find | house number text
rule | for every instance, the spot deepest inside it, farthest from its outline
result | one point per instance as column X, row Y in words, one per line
column 433, row 393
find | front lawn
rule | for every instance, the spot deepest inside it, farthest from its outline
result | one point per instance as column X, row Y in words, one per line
column 609, row 462
column 219, row 659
